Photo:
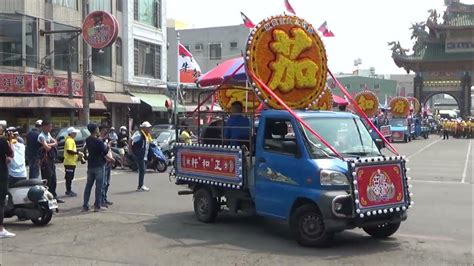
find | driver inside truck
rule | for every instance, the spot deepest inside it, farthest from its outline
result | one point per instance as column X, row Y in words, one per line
column 237, row 127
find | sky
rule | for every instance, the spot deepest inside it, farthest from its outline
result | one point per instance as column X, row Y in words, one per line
column 362, row 27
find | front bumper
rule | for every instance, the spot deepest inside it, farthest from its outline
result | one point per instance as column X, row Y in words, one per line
column 337, row 208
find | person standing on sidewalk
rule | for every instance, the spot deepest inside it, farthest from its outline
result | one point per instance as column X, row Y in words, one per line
column 48, row 154
column 105, row 137
column 97, row 151
column 71, row 155
column 6, row 155
column 141, row 141
column 32, row 150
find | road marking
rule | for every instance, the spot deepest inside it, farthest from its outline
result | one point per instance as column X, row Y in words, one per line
column 85, row 178
column 467, row 163
column 422, row 237
column 439, row 182
column 424, row 148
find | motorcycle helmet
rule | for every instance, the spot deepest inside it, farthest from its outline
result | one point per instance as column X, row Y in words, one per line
column 36, row 193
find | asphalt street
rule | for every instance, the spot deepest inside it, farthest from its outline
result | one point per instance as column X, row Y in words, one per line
column 159, row 228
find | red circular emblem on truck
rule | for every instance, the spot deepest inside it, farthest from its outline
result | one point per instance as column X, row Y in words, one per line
column 100, row 29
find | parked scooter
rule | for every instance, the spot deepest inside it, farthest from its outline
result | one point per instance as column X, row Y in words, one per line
column 156, row 159
column 29, row 199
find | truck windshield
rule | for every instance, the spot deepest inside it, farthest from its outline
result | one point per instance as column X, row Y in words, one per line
column 348, row 136
column 398, row 122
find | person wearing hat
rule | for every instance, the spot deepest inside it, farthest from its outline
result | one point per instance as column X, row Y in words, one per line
column 6, row 155
column 71, row 155
column 141, row 141
column 32, row 150
column 97, row 151
column 47, row 154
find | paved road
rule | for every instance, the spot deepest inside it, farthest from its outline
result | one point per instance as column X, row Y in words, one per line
column 158, row 227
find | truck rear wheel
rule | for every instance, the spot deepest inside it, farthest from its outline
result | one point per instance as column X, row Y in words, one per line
column 307, row 225
column 382, row 231
column 205, row 206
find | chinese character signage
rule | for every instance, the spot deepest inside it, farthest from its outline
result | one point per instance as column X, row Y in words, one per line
column 380, row 185
column 229, row 94
column 212, row 164
column 15, row 83
column 38, row 84
column 368, row 102
column 414, row 104
column 288, row 55
column 324, row 102
column 100, row 29
column 399, row 106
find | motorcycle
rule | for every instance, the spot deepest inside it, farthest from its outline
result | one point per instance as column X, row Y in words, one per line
column 29, row 199
column 156, row 159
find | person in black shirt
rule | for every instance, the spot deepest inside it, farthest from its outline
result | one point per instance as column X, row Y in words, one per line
column 122, row 144
column 6, row 155
column 96, row 150
column 32, row 150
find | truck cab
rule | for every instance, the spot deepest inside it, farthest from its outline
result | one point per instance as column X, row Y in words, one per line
column 401, row 129
column 288, row 174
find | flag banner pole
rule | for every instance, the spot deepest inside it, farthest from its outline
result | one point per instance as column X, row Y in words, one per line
column 269, row 91
column 218, row 87
column 357, row 108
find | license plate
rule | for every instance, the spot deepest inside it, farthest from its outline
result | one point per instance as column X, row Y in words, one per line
column 53, row 204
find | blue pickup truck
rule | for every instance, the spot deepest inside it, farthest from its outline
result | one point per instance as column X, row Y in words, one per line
column 286, row 173
column 401, row 130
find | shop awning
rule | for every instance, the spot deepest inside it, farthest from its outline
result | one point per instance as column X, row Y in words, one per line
column 157, row 102
column 11, row 102
column 118, row 98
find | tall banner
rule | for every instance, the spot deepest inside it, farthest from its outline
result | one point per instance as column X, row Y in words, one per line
column 189, row 69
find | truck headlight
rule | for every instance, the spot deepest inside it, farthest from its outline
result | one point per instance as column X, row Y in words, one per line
column 331, row 178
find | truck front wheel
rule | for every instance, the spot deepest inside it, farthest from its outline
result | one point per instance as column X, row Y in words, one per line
column 383, row 230
column 205, row 206
column 307, row 225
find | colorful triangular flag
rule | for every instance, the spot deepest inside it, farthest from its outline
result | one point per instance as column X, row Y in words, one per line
column 247, row 22
column 289, row 8
column 189, row 69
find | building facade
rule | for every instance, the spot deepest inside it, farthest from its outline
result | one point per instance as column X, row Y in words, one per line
column 442, row 55
column 34, row 63
column 209, row 46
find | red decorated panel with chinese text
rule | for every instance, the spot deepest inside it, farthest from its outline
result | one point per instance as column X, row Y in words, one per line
column 209, row 164
column 380, row 185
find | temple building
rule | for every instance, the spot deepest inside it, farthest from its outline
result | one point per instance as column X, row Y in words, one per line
column 442, row 56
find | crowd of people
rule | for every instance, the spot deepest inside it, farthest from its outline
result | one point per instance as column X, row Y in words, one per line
column 457, row 128
column 41, row 151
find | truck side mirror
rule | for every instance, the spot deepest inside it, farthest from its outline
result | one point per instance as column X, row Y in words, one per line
column 290, row 147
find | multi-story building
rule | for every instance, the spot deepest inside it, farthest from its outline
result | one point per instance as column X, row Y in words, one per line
column 145, row 68
column 33, row 65
column 209, row 47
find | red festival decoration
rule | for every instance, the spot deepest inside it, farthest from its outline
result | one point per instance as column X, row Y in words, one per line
column 379, row 186
column 368, row 102
column 399, row 106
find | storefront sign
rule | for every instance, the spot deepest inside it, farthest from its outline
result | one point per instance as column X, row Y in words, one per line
column 100, row 29
column 38, row 84
column 15, row 83
column 287, row 54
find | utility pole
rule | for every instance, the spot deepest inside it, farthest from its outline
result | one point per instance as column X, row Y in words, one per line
column 177, row 88
column 85, row 70
column 69, row 81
